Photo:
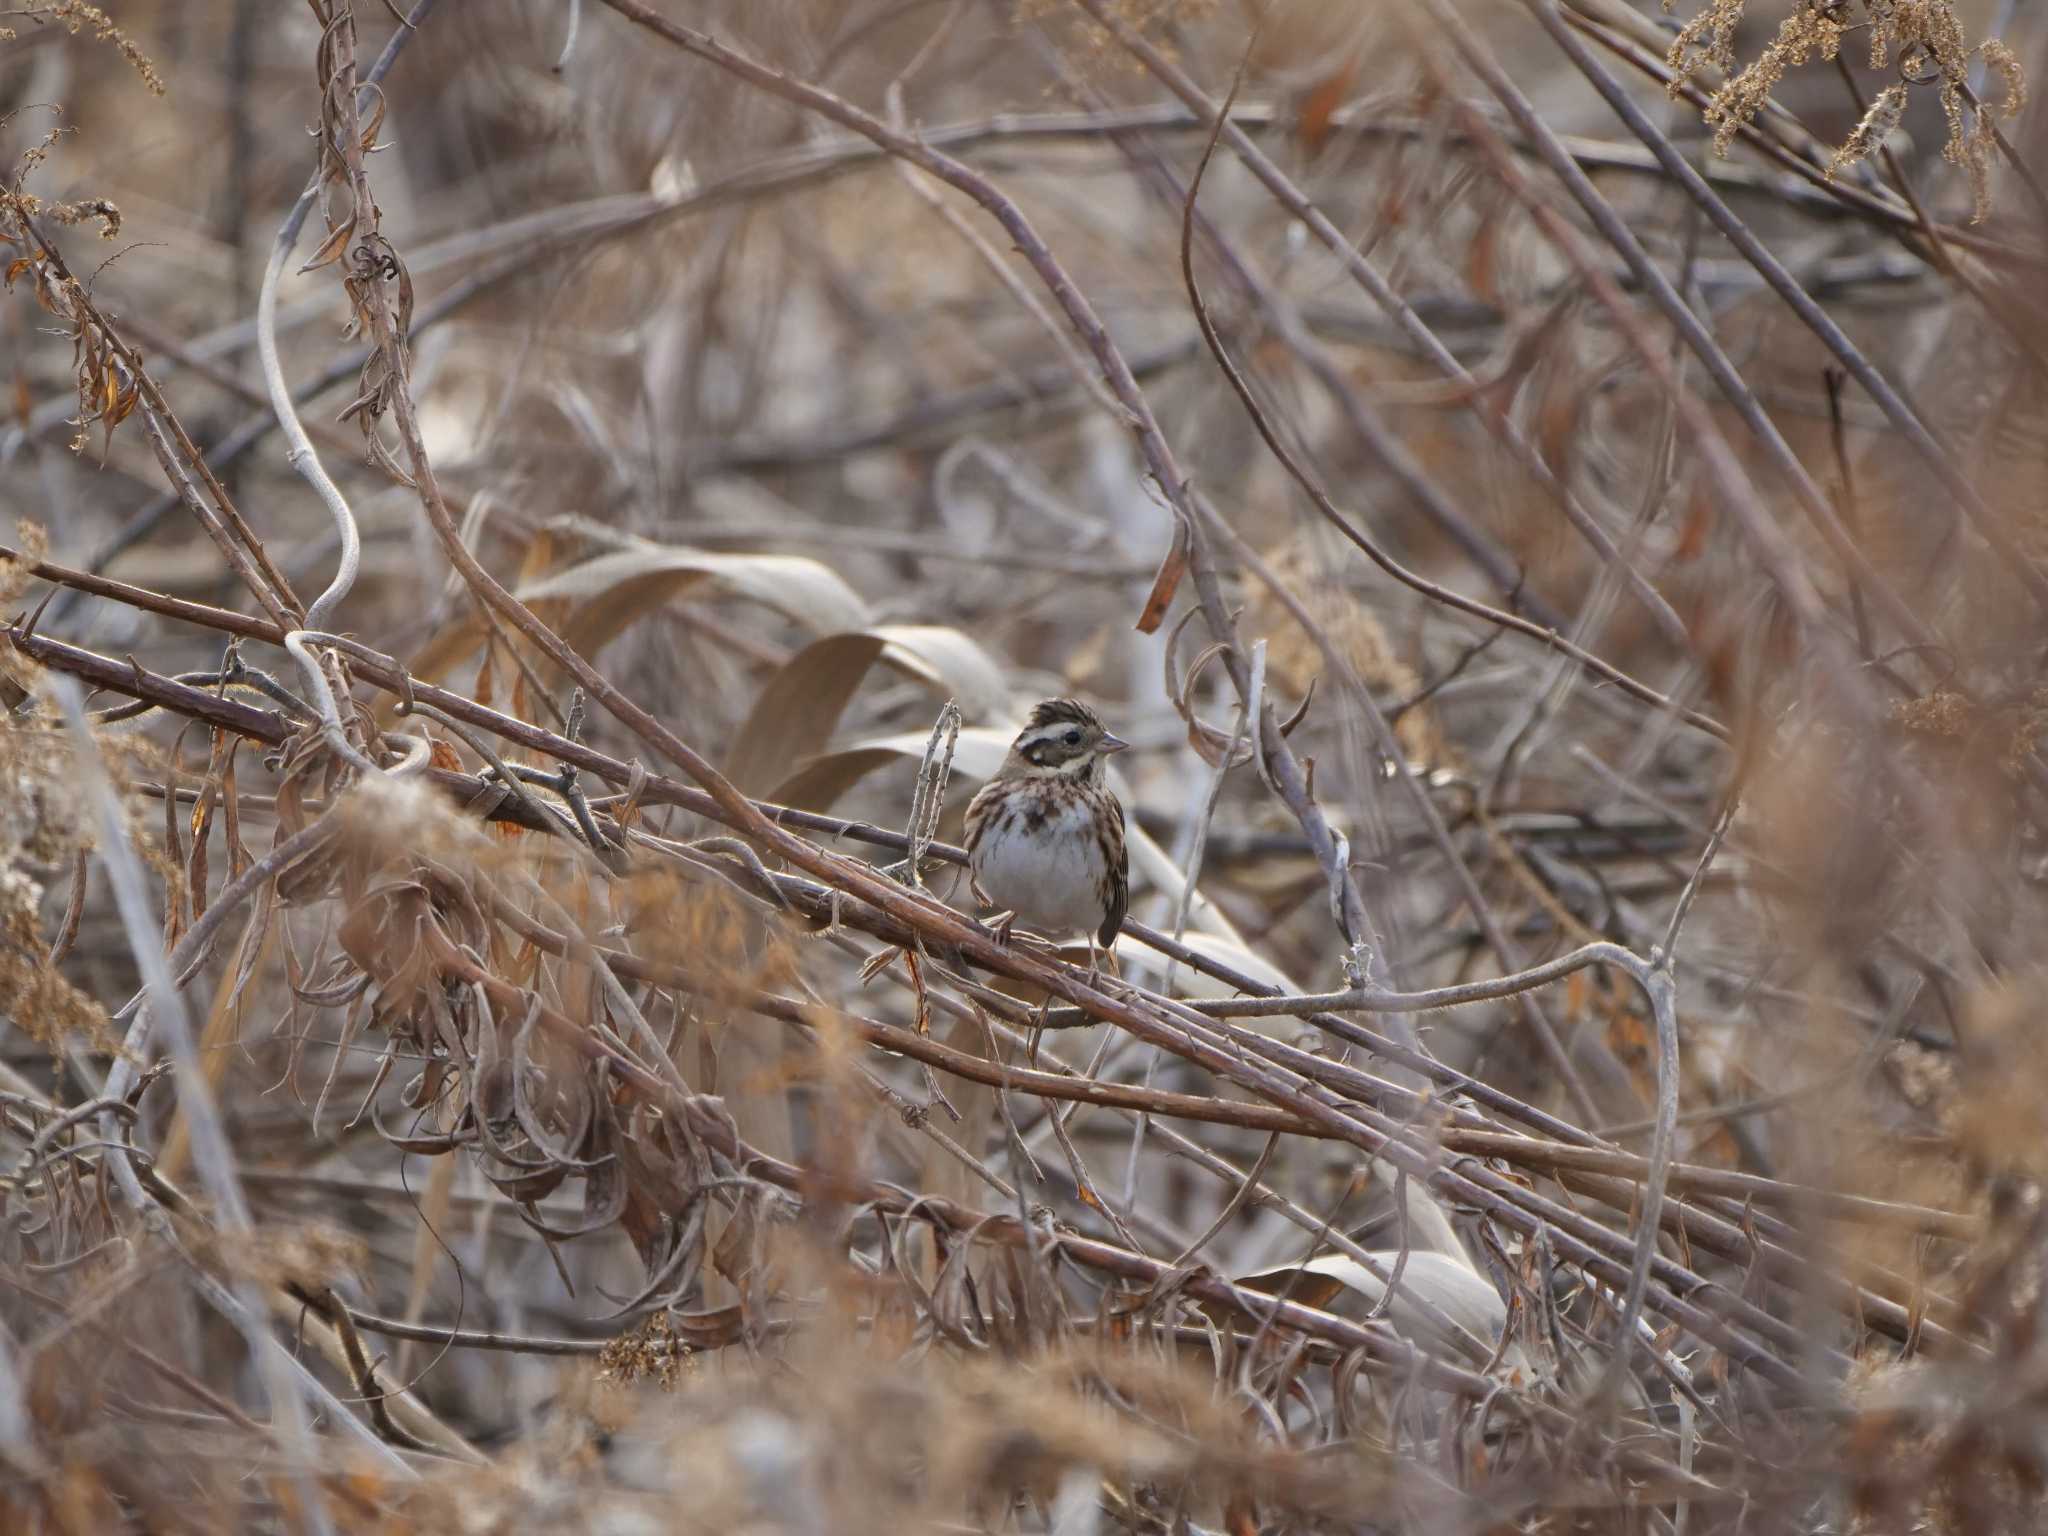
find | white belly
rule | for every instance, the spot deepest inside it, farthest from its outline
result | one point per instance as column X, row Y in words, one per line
column 1051, row 878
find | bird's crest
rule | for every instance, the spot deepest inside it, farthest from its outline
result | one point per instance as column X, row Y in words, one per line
column 1063, row 712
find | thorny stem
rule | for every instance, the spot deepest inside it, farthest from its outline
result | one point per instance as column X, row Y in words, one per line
column 1302, row 1093
column 212, row 1154
column 1877, row 1311
column 1546, row 1036
column 1902, row 416
column 302, row 455
column 1192, row 513
column 1411, row 325
column 728, row 797
column 709, row 1123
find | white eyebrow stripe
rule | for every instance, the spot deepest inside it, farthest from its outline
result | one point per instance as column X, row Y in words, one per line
column 1051, row 736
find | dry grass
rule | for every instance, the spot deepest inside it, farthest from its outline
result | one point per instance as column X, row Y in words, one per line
column 492, row 1036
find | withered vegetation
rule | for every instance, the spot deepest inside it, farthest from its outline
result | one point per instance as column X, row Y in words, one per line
column 531, row 520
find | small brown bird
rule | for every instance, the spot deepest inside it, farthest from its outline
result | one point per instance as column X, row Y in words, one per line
column 1045, row 837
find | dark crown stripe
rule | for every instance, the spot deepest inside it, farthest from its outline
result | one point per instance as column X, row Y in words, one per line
column 1062, row 712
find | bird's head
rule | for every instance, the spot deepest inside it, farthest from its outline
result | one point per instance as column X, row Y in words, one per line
column 1065, row 739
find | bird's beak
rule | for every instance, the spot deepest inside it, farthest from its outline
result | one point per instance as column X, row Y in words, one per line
column 1111, row 743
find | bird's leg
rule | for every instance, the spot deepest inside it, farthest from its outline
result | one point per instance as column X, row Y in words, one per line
column 999, row 927
column 1101, row 959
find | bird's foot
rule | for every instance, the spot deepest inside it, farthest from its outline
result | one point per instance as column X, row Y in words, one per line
column 1101, row 962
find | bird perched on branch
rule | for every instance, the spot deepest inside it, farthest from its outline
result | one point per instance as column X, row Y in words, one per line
column 1045, row 837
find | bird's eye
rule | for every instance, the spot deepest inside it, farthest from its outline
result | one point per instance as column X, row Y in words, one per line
column 1073, row 738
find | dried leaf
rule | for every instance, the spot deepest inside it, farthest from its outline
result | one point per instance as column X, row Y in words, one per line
column 1322, row 101
column 608, row 592
column 1165, row 584
column 951, row 664
column 605, row 595
column 1349, row 1289
column 796, row 713
column 330, row 248
column 1482, row 258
